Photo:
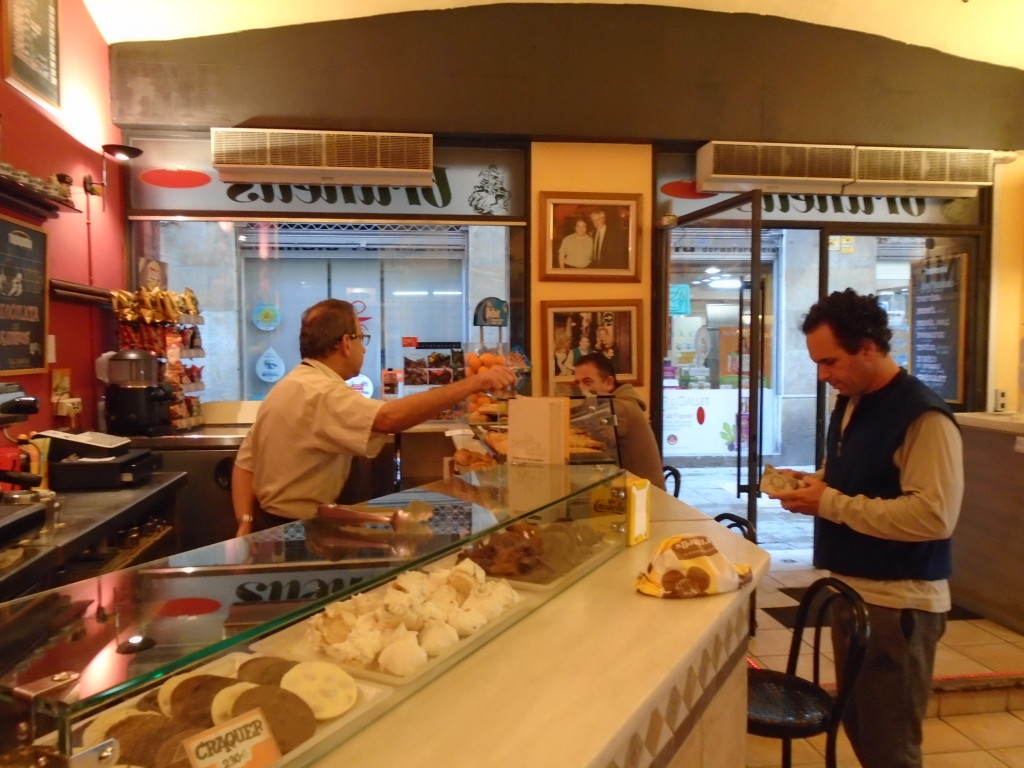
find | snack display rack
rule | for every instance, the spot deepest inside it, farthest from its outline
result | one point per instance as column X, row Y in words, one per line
column 167, row 324
column 89, row 653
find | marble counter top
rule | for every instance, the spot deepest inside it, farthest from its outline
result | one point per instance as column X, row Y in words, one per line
column 1012, row 423
column 597, row 673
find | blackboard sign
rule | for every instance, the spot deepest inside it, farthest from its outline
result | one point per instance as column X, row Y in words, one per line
column 22, row 297
column 937, row 322
column 31, row 54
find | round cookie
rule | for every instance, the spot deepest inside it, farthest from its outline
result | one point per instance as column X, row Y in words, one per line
column 149, row 702
column 96, row 731
column 138, row 734
column 171, row 754
column 264, row 670
column 329, row 690
column 165, row 691
column 290, row 719
column 190, row 702
column 222, row 706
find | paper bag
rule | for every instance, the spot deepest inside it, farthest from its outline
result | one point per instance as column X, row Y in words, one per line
column 689, row 565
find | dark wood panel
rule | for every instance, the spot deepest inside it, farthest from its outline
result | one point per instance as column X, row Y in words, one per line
column 988, row 544
column 574, row 71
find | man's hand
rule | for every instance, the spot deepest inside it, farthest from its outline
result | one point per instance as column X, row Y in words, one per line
column 805, row 499
column 495, row 378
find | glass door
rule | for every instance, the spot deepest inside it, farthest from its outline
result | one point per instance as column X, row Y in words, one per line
column 928, row 285
column 716, row 399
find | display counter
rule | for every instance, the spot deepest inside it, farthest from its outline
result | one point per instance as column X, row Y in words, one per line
column 988, row 543
column 99, row 530
column 574, row 669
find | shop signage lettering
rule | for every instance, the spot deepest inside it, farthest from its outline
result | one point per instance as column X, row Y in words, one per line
column 439, row 195
column 291, row 589
column 835, row 204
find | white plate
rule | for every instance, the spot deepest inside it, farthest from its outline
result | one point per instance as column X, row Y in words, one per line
column 292, row 643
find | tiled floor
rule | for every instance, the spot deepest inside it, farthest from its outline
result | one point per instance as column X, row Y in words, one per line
column 978, row 707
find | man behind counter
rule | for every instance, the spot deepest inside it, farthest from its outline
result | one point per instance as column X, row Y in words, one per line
column 638, row 447
column 299, row 451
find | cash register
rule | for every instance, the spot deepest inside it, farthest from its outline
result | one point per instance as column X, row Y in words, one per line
column 90, row 460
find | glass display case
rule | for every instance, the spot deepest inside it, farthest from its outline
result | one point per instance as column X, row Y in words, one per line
column 372, row 601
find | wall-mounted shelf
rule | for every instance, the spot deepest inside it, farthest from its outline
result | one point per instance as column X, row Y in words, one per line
column 22, row 199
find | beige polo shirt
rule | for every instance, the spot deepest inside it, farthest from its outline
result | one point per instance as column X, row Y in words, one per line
column 301, row 445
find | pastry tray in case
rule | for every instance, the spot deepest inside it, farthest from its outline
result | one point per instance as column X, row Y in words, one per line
column 328, row 732
column 295, row 642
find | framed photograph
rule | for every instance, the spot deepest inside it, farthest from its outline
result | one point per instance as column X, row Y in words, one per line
column 31, row 55
column 576, row 328
column 589, row 237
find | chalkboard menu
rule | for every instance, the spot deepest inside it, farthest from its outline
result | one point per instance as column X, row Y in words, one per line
column 937, row 322
column 22, row 297
column 31, row 51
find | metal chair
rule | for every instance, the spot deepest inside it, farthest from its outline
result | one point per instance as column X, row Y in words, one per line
column 746, row 529
column 783, row 705
column 671, row 473
column 739, row 524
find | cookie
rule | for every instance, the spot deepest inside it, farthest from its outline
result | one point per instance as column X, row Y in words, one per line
column 96, row 731
column 171, row 754
column 138, row 734
column 222, row 706
column 165, row 691
column 329, row 690
column 190, row 702
column 264, row 670
column 290, row 719
column 149, row 702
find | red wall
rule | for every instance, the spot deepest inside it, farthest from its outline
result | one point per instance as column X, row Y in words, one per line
column 88, row 246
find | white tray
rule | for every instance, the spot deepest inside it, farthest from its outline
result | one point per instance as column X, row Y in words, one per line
column 292, row 643
column 370, row 697
column 603, row 550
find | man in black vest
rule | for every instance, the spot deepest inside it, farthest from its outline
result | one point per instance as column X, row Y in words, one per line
column 885, row 504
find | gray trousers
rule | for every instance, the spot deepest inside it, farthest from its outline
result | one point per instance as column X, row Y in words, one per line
column 883, row 719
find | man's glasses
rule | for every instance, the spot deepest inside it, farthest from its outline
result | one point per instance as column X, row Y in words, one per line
column 363, row 337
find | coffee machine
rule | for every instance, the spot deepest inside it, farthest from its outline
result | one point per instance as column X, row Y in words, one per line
column 137, row 402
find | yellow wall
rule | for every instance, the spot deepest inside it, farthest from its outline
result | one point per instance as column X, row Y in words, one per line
column 1006, row 341
column 591, row 168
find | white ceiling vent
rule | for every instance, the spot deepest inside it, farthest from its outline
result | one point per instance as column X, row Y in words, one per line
column 733, row 166
column 921, row 172
column 345, row 158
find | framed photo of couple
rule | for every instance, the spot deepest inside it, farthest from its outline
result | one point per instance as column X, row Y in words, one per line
column 589, row 237
column 572, row 329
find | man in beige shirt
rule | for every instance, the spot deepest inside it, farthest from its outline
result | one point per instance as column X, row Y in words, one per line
column 299, row 451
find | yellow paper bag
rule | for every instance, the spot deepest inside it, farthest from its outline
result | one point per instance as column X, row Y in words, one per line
column 689, row 565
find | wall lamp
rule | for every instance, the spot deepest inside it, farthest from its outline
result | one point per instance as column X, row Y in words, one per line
column 119, row 152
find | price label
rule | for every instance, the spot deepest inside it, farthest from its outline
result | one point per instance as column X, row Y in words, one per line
column 243, row 742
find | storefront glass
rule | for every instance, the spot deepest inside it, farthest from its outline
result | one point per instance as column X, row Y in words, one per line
column 415, row 287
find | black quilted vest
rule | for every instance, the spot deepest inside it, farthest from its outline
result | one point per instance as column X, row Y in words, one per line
column 860, row 463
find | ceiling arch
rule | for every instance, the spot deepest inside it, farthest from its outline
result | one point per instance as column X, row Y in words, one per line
column 982, row 30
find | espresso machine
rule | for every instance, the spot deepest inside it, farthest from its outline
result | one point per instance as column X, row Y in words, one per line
column 136, row 401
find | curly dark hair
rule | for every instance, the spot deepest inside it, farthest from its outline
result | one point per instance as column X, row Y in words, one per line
column 853, row 319
column 323, row 325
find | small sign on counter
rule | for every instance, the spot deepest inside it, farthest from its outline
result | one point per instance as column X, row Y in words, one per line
column 638, row 510
column 243, row 742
